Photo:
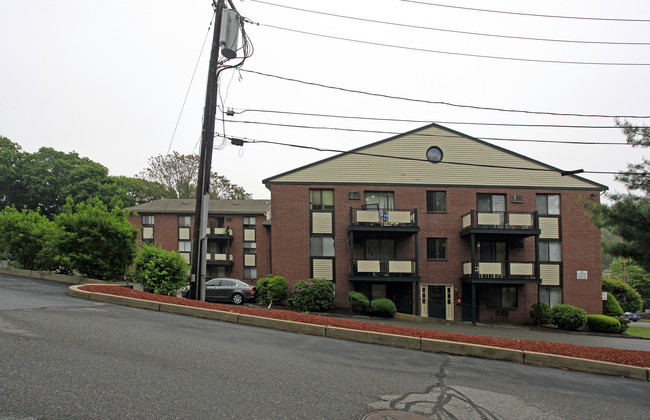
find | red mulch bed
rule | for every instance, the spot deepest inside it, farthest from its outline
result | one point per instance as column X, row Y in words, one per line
column 625, row 357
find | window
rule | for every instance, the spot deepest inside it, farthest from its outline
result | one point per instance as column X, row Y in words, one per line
column 548, row 204
column 250, row 272
column 184, row 221
column 550, row 251
column 437, row 201
column 501, row 297
column 491, row 203
column 550, row 295
column 147, row 229
column 322, row 246
column 184, row 246
column 380, row 200
column 250, row 247
column 215, row 222
column 249, row 221
column 437, row 248
column 147, row 220
column 321, row 199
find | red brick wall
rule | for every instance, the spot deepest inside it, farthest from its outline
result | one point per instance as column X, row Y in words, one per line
column 290, row 238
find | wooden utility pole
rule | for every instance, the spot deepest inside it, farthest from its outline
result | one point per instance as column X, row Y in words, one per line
column 199, row 239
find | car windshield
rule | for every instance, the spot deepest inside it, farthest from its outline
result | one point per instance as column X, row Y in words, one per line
column 242, row 284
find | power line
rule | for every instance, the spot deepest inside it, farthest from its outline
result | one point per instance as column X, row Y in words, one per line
column 358, row 130
column 493, row 57
column 190, row 85
column 428, row 28
column 527, row 14
column 380, row 95
column 239, row 141
column 307, row 114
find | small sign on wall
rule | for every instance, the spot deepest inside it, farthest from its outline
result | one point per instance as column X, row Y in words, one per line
column 582, row 275
column 604, row 295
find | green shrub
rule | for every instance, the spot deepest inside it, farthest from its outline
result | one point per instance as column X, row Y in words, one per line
column 568, row 317
column 277, row 290
column 161, row 272
column 359, row 301
column 262, row 289
column 383, row 307
column 27, row 239
column 625, row 323
column 611, row 306
column 313, row 295
column 603, row 323
column 545, row 314
column 629, row 299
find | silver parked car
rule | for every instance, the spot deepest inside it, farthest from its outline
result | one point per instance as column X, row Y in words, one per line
column 226, row 290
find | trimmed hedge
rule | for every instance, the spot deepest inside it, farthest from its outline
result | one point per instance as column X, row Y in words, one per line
column 611, row 306
column 160, row 271
column 262, row 289
column 603, row 323
column 383, row 307
column 568, row 317
column 278, row 289
column 545, row 313
column 359, row 301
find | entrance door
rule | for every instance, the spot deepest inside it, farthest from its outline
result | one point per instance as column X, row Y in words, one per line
column 437, row 302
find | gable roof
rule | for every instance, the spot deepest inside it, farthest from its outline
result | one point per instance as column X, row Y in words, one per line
column 401, row 160
column 188, row 205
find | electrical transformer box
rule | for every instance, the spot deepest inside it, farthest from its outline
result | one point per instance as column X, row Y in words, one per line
column 229, row 35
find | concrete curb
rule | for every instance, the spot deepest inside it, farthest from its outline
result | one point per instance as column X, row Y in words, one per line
column 406, row 342
column 44, row 275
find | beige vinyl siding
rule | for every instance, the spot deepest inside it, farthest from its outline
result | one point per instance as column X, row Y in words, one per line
column 323, row 269
column 346, row 168
column 147, row 233
column 550, row 227
column 321, row 222
column 249, row 235
column 184, row 233
column 550, row 274
column 249, row 260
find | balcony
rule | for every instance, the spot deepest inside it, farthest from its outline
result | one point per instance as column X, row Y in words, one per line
column 384, row 268
column 219, row 259
column 222, row 233
column 392, row 220
column 500, row 223
column 499, row 272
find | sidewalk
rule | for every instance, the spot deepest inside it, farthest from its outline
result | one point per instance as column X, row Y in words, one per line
column 518, row 332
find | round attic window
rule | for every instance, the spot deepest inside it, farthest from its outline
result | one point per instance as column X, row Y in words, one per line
column 434, row 154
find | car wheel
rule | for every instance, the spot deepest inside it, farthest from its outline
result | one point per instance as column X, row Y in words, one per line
column 237, row 299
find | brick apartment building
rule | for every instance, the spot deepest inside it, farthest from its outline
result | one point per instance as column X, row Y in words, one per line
column 445, row 225
column 237, row 236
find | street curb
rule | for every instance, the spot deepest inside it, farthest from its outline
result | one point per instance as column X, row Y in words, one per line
column 392, row 340
column 472, row 350
column 60, row 278
column 585, row 365
column 280, row 324
column 406, row 342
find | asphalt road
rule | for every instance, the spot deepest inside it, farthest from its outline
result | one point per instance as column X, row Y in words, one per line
column 62, row 357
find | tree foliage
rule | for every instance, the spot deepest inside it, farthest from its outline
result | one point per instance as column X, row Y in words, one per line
column 27, row 239
column 179, row 174
column 629, row 214
column 96, row 241
column 140, row 190
column 629, row 299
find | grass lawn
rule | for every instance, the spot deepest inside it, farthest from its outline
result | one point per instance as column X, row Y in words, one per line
column 635, row 331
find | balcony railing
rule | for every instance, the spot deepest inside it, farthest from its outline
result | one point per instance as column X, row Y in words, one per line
column 383, row 217
column 499, row 220
column 499, row 269
column 219, row 231
column 209, row 257
column 384, row 267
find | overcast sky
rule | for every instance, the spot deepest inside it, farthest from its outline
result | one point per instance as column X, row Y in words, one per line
column 108, row 79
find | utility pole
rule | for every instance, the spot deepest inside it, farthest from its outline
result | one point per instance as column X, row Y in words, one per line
column 199, row 238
